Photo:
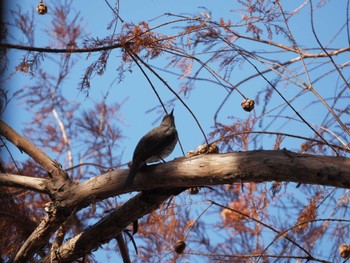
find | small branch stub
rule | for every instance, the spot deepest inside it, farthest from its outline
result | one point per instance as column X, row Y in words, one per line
column 248, row 105
column 204, row 149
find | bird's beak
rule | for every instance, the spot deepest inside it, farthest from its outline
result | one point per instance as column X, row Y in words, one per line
column 171, row 113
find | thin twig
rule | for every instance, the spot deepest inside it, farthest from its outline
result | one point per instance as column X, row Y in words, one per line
column 283, row 233
column 154, row 90
column 192, row 225
column 281, row 95
column 172, row 91
column 320, row 44
column 116, row 14
column 59, row 50
column 148, row 79
column 264, row 224
column 345, row 149
column 11, row 156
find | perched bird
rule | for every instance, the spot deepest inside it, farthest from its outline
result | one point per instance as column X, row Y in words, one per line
column 157, row 144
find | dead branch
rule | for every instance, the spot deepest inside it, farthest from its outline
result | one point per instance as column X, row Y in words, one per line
column 59, row 182
column 59, row 50
column 200, row 170
column 25, row 182
column 214, row 169
column 51, row 166
column 110, row 226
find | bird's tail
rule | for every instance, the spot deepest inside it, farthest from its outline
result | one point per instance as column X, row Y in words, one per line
column 132, row 172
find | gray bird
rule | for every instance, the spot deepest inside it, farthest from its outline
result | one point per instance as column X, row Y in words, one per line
column 157, row 144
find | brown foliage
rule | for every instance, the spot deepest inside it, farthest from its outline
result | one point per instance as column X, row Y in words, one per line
column 17, row 221
column 249, row 205
column 138, row 38
column 309, row 213
column 161, row 238
column 234, row 135
column 226, row 223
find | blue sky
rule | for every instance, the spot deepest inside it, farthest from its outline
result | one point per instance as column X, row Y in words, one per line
column 205, row 99
column 135, row 89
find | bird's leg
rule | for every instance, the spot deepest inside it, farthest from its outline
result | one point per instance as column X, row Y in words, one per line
column 143, row 165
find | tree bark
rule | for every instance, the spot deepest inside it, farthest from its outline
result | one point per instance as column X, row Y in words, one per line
column 181, row 173
column 110, row 226
column 213, row 169
column 216, row 169
column 52, row 167
column 57, row 182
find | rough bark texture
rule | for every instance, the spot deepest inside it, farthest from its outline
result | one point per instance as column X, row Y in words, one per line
column 171, row 178
column 215, row 169
column 58, row 181
column 110, row 226
column 52, row 167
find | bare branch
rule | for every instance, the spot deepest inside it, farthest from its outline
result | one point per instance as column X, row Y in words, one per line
column 110, row 226
column 65, row 138
column 59, row 50
column 25, row 182
column 24, row 145
column 212, row 169
column 324, row 50
column 40, row 236
column 215, row 169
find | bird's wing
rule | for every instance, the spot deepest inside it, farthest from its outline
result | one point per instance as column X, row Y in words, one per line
column 154, row 142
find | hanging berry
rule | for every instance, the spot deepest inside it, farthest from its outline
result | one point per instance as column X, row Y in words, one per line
column 344, row 250
column 193, row 190
column 248, row 104
column 41, row 9
column 180, row 246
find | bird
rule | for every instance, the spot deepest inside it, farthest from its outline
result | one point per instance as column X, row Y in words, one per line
column 157, row 144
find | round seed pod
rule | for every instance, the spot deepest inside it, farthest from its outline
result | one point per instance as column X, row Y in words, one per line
column 248, row 105
column 344, row 250
column 193, row 190
column 179, row 246
column 213, row 148
column 41, row 9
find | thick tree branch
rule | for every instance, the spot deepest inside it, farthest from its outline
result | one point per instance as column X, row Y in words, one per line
column 110, row 226
column 60, row 181
column 216, row 169
column 26, row 146
column 211, row 169
column 25, row 182
column 39, row 238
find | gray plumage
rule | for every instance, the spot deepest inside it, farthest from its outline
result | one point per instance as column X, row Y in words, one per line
column 157, row 144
